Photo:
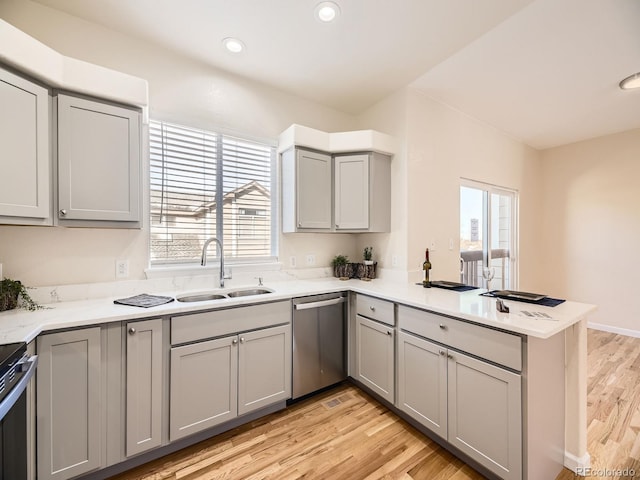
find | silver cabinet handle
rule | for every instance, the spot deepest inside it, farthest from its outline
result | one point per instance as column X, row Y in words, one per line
column 443, row 326
column 234, row 341
column 389, row 332
column 372, row 308
column 443, row 353
column 63, row 212
column 241, row 339
column 449, row 356
column 132, row 331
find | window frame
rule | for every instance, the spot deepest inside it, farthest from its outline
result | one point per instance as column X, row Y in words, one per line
column 488, row 190
column 156, row 268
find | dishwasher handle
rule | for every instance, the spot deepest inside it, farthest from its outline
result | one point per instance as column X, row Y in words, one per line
column 321, row 303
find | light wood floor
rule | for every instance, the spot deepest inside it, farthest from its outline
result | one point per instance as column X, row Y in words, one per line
column 613, row 400
column 345, row 434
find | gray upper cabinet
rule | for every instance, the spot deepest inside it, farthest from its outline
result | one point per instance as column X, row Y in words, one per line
column 341, row 193
column 99, row 162
column 306, row 191
column 25, row 183
column 69, row 404
column 143, row 386
column 362, row 191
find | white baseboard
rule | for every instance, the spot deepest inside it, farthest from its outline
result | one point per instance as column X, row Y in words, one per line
column 577, row 465
column 620, row 331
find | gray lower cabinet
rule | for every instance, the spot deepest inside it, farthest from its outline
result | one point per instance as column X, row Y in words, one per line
column 422, row 382
column 203, row 391
column 214, row 381
column 375, row 356
column 474, row 405
column 485, row 414
column 25, row 163
column 69, row 403
column 99, row 162
column 264, row 362
column 143, row 386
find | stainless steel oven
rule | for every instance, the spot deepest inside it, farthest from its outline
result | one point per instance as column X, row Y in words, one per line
column 16, row 369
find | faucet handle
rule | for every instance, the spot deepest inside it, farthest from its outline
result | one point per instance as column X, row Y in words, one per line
column 259, row 281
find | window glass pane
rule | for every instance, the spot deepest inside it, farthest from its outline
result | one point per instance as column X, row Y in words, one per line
column 203, row 183
column 471, row 235
column 487, row 219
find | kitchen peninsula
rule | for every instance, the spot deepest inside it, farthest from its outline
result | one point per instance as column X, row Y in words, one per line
column 464, row 328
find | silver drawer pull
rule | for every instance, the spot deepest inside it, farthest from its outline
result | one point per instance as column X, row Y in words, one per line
column 443, row 326
column 443, row 353
column 234, row 341
column 372, row 308
column 449, row 356
column 241, row 339
column 63, row 212
column 389, row 332
column 132, row 331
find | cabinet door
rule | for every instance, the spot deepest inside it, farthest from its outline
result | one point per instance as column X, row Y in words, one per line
column 264, row 361
column 69, row 403
column 422, row 382
column 98, row 161
column 352, row 192
column 204, row 386
column 144, row 386
column 313, row 190
column 375, row 357
column 485, row 419
column 25, row 161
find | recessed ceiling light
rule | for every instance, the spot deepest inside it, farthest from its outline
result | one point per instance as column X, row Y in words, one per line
column 632, row 81
column 327, row 11
column 233, row 45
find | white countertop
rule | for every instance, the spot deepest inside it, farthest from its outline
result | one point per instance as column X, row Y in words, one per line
column 23, row 325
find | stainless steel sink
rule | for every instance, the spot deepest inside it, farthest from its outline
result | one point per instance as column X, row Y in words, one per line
column 201, row 297
column 248, row 292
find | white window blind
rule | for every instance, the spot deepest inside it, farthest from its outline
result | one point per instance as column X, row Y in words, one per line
column 206, row 184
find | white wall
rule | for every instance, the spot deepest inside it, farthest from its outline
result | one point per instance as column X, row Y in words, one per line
column 444, row 146
column 592, row 226
column 181, row 90
column 439, row 146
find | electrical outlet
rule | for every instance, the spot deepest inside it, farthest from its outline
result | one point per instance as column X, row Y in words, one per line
column 122, row 268
column 311, row 260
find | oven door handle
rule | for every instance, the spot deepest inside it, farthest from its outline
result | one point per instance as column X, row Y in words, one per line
column 27, row 366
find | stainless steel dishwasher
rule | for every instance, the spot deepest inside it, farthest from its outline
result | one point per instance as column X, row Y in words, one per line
column 319, row 337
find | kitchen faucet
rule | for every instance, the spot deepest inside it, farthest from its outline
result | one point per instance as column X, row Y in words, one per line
column 204, row 257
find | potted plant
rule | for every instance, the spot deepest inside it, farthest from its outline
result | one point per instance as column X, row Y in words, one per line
column 368, row 255
column 12, row 292
column 340, row 264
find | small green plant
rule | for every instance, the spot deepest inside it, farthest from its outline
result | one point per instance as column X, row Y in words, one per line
column 339, row 260
column 13, row 293
column 342, row 269
column 368, row 253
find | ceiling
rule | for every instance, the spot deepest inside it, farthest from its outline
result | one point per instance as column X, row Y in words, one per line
column 545, row 72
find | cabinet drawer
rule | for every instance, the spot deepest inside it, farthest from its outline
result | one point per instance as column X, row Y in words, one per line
column 199, row 326
column 499, row 347
column 380, row 310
